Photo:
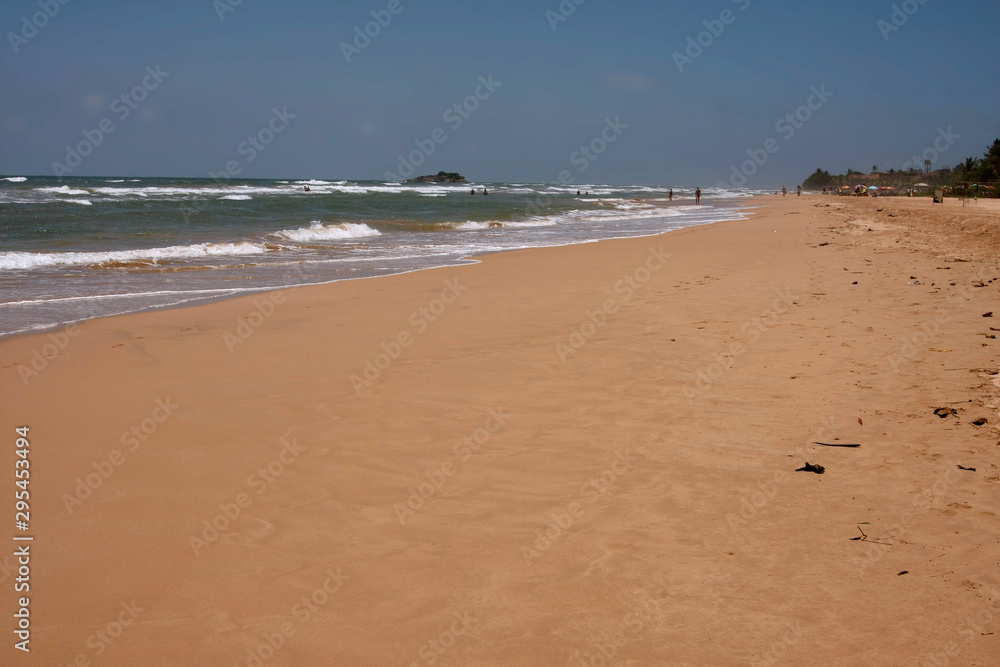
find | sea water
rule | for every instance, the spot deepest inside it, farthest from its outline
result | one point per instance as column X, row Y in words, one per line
column 77, row 248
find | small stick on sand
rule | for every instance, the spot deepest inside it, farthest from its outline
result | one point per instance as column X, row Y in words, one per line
column 864, row 538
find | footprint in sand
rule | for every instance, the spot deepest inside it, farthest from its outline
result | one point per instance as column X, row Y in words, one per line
column 218, row 621
column 253, row 529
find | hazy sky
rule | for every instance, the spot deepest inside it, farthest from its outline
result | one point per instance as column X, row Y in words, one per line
column 887, row 89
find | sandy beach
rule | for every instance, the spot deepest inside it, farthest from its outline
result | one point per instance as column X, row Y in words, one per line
column 582, row 455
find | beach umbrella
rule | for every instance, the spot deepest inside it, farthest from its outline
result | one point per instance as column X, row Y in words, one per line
column 921, row 185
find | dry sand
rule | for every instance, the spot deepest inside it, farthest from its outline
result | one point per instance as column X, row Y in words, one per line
column 613, row 493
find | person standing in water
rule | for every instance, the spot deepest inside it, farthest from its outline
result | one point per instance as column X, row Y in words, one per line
column 697, row 196
column 670, row 195
column 485, row 192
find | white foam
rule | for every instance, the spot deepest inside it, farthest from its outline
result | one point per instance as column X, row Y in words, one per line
column 630, row 211
column 605, row 215
column 631, row 205
column 493, row 224
column 34, row 260
column 119, row 192
column 63, row 190
column 317, row 231
column 117, row 180
column 16, row 179
column 733, row 193
column 85, row 202
column 237, row 197
column 394, row 188
column 182, row 192
column 471, row 226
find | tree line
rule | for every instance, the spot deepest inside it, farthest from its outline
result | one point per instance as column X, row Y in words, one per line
column 972, row 170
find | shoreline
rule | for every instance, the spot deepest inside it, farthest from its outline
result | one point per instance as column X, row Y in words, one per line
column 556, row 453
column 250, row 292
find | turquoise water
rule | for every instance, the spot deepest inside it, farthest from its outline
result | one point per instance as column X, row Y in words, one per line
column 76, row 248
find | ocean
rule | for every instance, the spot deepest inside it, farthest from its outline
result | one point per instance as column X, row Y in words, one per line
column 77, row 248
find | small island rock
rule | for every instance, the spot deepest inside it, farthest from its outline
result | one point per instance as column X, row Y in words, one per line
column 440, row 177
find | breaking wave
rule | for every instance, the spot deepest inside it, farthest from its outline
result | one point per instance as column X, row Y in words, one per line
column 34, row 260
column 317, row 231
column 63, row 190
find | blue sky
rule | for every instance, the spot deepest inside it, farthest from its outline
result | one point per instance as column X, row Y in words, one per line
column 891, row 91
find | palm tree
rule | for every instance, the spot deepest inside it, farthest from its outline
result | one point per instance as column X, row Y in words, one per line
column 989, row 167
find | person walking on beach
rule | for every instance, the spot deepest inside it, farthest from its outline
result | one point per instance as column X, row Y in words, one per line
column 784, row 191
column 697, row 196
column 800, row 191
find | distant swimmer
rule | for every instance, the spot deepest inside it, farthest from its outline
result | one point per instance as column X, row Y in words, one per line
column 577, row 193
column 472, row 191
column 587, row 193
column 697, row 196
column 670, row 196
column 496, row 225
column 485, row 192
column 306, row 188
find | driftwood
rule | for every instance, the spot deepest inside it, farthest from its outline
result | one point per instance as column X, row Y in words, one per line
column 835, row 444
column 864, row 538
